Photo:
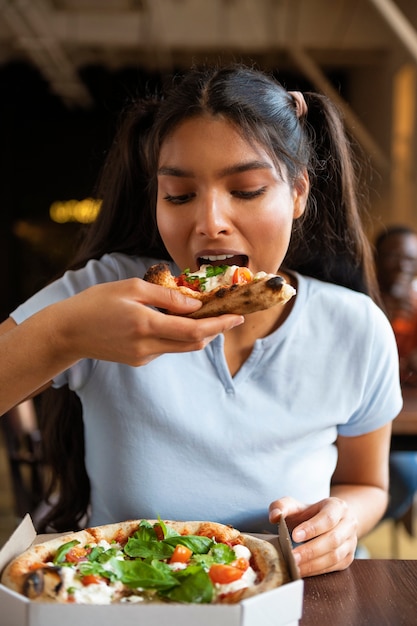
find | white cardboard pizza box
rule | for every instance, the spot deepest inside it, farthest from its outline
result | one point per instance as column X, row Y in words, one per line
column 279, row 607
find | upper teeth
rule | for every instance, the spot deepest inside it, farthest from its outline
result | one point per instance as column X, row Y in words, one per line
column 219, row 257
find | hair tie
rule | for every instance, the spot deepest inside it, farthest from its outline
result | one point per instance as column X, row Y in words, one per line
column 301, row 108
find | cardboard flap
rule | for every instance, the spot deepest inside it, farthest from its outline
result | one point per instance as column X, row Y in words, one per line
column 19, row 541
column 286, row 547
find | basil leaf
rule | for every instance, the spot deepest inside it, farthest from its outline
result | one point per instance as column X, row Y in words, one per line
column 86, row 568
column 139, row 574
column 194, row 586
column 197, row 544
column 220, row 553
column 145, row 532
column 63, row 551
column 101, row 555
column 215, row 270
column 168, row 531
column 148, row 549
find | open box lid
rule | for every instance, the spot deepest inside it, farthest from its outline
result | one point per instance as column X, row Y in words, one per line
column 19, row 541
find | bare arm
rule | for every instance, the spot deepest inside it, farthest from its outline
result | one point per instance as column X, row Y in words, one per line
column 362, row 476
column 110, row 321
column 328, row 530
column 21, row 387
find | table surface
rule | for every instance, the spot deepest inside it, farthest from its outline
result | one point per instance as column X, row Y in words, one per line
column 369, row 593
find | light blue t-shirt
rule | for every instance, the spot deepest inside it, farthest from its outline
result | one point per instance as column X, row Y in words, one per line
column 183, row 439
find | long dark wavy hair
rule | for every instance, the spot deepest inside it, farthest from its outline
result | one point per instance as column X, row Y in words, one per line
column 328, row 242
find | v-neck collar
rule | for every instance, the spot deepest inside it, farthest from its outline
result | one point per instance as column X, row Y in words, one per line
column 215, row 349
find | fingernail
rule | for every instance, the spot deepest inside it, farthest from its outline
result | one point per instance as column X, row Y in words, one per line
column 238, row 321
column 299, row 535
column 297, row 557
column 275, row 515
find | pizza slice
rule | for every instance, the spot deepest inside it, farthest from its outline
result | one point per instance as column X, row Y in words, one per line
column 147, row 561
column 224, row 288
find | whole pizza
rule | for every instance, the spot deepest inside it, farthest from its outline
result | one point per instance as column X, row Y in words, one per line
column 143, row 561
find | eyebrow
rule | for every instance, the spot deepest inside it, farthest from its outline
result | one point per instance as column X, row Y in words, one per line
column 227, row 171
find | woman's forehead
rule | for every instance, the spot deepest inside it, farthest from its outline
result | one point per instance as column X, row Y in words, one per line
column 200, row 131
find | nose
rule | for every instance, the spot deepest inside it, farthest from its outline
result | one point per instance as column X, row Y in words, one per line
column 212, row 216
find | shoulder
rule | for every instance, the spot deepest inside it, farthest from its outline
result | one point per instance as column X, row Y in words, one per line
column 350, row 317
column 113, row 266
column 331, row 299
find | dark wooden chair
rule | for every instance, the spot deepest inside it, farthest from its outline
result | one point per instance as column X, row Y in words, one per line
column 24, row 454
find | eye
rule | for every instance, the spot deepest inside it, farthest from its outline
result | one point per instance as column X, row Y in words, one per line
column 180, row 199
column 249, row 195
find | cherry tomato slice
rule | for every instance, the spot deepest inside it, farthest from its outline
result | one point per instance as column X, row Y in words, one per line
column 242, row 275
column 77, row 554
column 241, row 563
column 92, row 579
column 224, row 574
column 181, row 554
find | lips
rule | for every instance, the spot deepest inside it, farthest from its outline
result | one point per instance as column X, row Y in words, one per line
column 223, row 259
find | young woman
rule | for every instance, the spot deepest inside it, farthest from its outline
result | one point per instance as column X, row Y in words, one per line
column 287, row 412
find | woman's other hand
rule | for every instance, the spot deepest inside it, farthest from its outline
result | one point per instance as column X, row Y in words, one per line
column 326, row 533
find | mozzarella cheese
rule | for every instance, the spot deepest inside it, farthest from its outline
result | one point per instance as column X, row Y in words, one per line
column 225, row 279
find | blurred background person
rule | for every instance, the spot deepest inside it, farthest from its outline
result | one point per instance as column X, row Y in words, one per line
column 396, row 266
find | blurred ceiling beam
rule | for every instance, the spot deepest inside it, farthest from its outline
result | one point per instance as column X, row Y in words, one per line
column 60, row 36
column 29, row 21
column 399, row 24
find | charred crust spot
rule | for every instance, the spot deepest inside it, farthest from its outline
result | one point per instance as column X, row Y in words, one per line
column 275, row 283
column 33, row 584
column 220, row 293
column 43, row 579
column 155, row 271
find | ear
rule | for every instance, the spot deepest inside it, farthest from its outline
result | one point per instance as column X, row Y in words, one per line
column 301, row 190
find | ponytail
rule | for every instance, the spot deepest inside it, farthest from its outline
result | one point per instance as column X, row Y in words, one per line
column 329, row 241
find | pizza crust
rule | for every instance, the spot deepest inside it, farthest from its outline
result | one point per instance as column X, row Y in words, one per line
column 267, row 561
column 240, row 299
column 14, row 575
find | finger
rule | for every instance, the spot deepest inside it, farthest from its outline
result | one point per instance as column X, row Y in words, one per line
column 325, row 554
column 284, row 507
column 156, row 349
column 159, row 334
column 170, row 299
column 323, row 517
column 185, row 330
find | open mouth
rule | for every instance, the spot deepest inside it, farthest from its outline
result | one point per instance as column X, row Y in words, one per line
column 224, row 259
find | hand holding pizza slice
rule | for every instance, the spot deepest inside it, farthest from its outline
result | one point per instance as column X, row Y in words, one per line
column 224, row 288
